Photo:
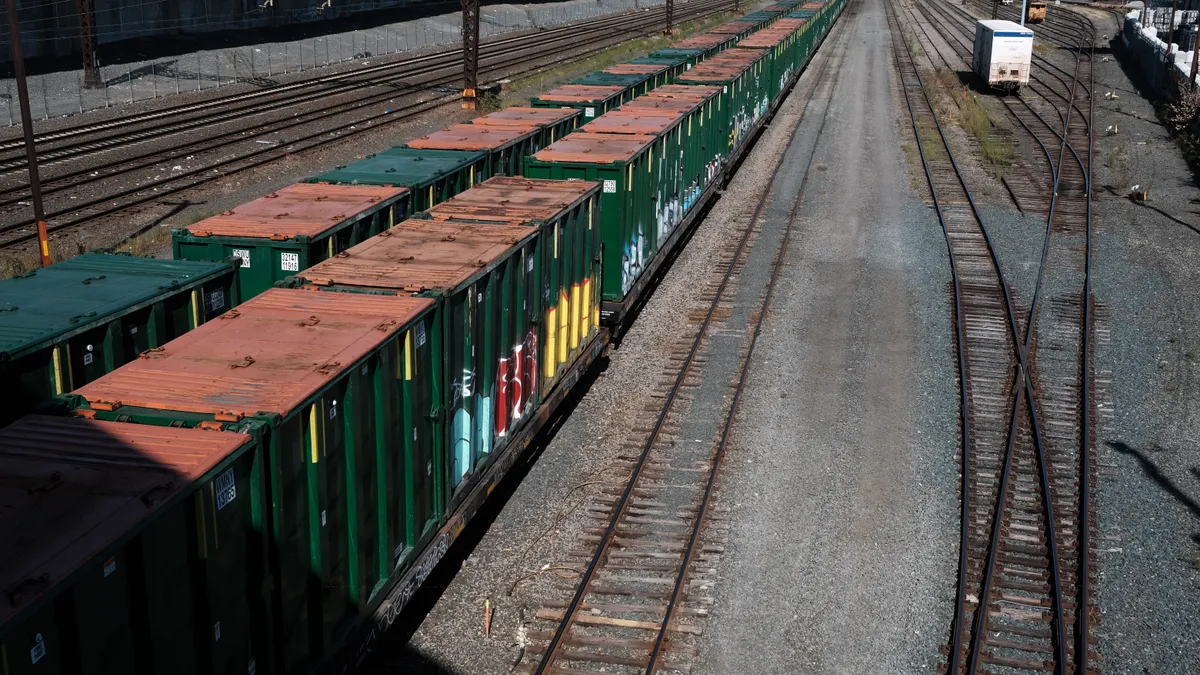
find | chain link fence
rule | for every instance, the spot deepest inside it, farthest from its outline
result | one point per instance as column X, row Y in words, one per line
column 63, row 93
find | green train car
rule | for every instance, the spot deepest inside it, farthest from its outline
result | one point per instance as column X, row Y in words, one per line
column 67, row 324
column 290, row 230
column 332, row 392
column 379, row 396
column 132, row 549
column 430, row 176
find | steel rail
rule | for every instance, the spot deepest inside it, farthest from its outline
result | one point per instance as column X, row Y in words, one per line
column 257, row 158
column 731, row 416
column 1051, row 69
column 452, row 56
column 1054, row 167
column 343, row 83
column 500, row 58
column 208, row 144
column 1082, row 636
column 1026, row 388
column 1084, row 515
column 1084, row 520
column 551, row 651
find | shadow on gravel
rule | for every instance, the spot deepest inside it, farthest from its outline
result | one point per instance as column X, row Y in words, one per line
column 404, row 659
column 392, row 653
column 1152, row 471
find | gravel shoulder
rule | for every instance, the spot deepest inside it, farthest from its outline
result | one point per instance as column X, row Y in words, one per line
column 1147, row 373
column 841, row 481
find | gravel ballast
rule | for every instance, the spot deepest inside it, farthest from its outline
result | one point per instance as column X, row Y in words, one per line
column 1146, row 275
column 842, row 476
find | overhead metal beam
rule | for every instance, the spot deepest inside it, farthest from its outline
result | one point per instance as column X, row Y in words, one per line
column 470, row 37
column 87, row 42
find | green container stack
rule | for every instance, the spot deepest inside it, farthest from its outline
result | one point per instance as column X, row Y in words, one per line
column 333, row 394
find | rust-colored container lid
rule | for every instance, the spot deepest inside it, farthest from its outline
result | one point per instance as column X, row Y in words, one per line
column 594, row 148
column 661, row 106
column 699, row 92
column 418, row 255
column 713, row 72
column 738, row 56
column 301, row 210
column 582, row 93
column 269, row 354
column 790, row 24
column 636, row 122
column 702, row 41
column 71, row 488
column 518, row 116
column 764, row 39
column 731, row 28
column 471, row 137
column 812, row 5
column 514, row 200
column 636, row 68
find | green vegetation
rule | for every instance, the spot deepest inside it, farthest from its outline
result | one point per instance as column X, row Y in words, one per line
column 977, row 121
column 150, row 243
column 18, row 262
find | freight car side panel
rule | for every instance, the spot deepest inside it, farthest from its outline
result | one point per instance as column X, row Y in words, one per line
column 145, row 548
column 324, row 429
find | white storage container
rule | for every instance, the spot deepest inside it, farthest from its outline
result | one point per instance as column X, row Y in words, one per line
column 1003, row 50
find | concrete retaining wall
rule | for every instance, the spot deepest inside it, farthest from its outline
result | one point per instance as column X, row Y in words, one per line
column 1150, row 52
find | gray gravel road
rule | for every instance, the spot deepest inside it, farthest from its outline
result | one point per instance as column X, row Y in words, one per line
column 844, row 544
column 1148, row 361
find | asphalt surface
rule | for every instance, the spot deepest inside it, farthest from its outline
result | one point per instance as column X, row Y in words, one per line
column 844, row 528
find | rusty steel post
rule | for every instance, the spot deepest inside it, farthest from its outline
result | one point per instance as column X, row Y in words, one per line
column 470, row 41
column 1195, row 53
column 35, row 186
column 670, row 17
column 1170, row 39
column 87, row 42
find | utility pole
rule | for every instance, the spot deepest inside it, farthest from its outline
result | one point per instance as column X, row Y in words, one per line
column 470, row 37
column 1024, row 10
column 87, row 41
column 670, row 17
column 35, row 186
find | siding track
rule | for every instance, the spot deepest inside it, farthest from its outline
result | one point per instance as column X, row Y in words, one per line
column 651, row 554
column 1026, row 387
column 325, row 110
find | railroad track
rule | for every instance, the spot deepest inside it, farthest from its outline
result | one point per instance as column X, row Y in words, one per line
column 1025, row 398
column 642, row 580
column 1030, row 190
column 93, row 138
column 341, row 115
